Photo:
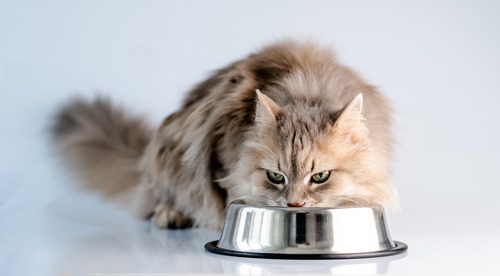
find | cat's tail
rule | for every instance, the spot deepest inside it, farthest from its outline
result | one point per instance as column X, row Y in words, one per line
column 102, row 145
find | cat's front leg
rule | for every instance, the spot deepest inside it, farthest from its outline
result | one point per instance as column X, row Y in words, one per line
column 165, row 216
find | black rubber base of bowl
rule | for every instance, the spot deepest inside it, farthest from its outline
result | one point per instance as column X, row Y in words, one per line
column 398, row 249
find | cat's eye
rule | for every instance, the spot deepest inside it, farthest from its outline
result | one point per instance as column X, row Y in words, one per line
column 320, row 177
column 275, row 178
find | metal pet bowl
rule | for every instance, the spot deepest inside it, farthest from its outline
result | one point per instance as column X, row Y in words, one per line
column 305, row 233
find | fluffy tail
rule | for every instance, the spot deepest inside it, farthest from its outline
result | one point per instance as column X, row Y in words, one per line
column 102, row 145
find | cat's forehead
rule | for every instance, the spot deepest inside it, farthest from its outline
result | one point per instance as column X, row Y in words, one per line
column 304, row 120
column 304, row 138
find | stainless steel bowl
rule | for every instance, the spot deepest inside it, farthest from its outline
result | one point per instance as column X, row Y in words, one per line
column 280, row 232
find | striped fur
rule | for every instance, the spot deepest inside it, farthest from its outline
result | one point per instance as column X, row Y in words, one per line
column 217, row 147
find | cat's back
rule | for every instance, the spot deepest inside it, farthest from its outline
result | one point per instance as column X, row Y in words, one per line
column 285, row 70
column 222, row 107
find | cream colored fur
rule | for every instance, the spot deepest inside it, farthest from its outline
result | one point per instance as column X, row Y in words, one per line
column 288, row 108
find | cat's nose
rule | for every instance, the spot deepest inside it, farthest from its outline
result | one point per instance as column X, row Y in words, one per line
column 295, row 204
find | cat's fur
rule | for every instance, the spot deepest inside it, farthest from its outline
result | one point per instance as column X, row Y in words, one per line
column 217, row 147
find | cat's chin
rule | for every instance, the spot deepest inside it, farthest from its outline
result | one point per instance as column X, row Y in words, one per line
column 256, row 201
column 336, row 203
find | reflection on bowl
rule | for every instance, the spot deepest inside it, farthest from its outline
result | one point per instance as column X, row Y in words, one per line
column 310, row 233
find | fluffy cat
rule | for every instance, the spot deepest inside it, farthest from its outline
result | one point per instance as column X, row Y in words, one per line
column 287, row 125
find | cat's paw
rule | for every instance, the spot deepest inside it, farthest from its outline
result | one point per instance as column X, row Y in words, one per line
column 166, row 217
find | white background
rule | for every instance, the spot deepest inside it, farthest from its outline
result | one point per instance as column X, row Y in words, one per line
column 437, row 61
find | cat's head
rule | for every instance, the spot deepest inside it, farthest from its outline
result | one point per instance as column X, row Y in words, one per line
column 303, row 154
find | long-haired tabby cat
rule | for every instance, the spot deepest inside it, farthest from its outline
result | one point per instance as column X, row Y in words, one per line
column 287, row 124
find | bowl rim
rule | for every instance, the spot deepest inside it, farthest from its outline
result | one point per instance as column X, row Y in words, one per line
column 399, row 248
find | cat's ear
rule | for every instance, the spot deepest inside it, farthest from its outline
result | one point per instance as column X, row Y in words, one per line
column 266, row 109
column 351, row 122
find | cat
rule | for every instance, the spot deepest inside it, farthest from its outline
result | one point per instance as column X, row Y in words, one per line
column 287, row 125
